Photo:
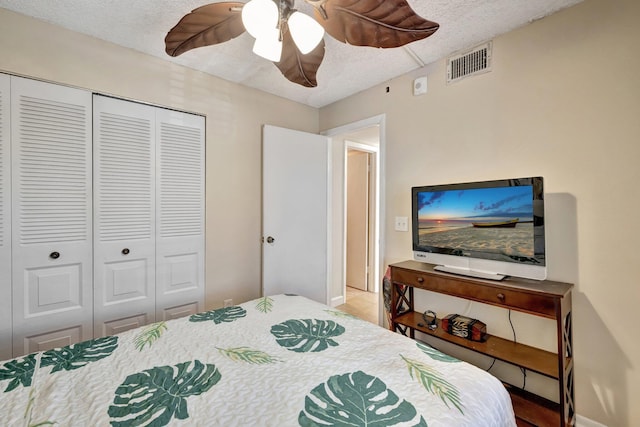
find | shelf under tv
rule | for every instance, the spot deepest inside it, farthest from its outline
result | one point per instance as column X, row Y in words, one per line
column 544, row 298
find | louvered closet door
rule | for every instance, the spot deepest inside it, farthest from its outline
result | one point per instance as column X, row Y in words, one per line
column 180, row 214
column 124, row 205
column 51, row 215
column 5, row 219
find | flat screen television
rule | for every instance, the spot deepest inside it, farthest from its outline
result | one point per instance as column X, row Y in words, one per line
column 488, row 229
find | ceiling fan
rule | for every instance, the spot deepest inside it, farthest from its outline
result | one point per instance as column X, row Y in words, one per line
column 293, row 40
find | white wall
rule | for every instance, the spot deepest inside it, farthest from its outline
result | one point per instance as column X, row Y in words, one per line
column 562, row 101
column 234, row 114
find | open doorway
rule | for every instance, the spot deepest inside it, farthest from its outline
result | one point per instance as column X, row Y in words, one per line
column 360, row 206
column 357, row 202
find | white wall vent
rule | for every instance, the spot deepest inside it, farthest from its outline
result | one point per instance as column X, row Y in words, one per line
column 469, row 63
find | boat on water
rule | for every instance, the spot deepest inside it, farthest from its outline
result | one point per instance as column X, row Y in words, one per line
column 497, row 224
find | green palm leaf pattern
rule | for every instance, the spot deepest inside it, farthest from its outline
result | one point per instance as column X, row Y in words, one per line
column 28, row 413
column 155, row 396
column 339, row 313
column 78, row 355
column 19, row 371
column 434, row 383
column 149, row 335
column 357, row 399
column 226, row 314
column 307, row 335
column 265, row 304
column 248, row 355
column 435, row 354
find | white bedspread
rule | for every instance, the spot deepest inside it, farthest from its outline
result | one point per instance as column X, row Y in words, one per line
column 275, row 361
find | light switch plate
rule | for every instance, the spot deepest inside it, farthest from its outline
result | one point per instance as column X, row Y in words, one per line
column 402, row 223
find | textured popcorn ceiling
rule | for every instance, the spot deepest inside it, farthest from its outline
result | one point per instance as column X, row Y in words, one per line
column 143, row 24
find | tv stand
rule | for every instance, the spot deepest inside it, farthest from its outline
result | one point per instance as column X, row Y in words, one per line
column 469, row 272
column 543, row 298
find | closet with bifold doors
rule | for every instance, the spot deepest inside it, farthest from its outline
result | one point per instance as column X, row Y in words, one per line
column 148, row 214
column 101, row 215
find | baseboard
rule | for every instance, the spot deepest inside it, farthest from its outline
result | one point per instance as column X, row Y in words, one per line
column 586, row 422
column 336, row 301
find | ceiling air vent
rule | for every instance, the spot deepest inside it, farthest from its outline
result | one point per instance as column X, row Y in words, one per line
column 475, row 61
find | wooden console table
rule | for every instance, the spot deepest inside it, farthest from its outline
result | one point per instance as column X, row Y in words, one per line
column 539, row 298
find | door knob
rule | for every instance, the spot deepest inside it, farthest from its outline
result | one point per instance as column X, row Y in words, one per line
column 54, row 255
column 270, row 239
column 125, row 251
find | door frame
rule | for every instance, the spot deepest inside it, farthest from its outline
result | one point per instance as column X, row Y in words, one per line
column 378, row 269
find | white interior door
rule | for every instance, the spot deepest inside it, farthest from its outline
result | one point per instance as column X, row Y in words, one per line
column 124, row 220
column 179, row 214
column 5, row 219
column 295, row 213
column 51, row 215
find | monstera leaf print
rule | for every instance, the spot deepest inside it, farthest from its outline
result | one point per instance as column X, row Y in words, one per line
column 307, row 335
column 19, row 371
column 434, row 383
column 227, row 314
column 78, row 355
column 154, row 396
column 435, row 354
column 357, row 399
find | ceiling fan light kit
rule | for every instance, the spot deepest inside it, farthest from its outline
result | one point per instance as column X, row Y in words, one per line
column 269, row 45
column 306, row 31
column 260, row 16
column 294, row 41
column 264, row 18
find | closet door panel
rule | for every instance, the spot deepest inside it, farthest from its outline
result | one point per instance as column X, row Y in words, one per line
column 54, row 339
column 5, row 219
column 124, row 203
column 169, row 313
column 180, row 214
column 51, row 214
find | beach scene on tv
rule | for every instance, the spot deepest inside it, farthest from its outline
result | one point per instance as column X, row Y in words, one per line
column 495, row 220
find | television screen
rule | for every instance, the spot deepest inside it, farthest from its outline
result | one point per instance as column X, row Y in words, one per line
column 500, row 220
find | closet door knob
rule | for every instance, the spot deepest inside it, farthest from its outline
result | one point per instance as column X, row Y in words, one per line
column 125, row 251
column 54, row 255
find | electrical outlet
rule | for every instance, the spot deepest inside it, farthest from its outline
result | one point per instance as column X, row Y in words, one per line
column 402, row 223
column 228, row 302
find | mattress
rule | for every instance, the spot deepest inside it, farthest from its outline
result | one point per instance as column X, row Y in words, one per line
column 281, row 360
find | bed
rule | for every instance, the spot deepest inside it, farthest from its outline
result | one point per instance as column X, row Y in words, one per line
column 282, row 360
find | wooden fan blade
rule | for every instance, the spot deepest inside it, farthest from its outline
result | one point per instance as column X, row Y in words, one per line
column 295, row 66
column 376, row 23
column 207, row 25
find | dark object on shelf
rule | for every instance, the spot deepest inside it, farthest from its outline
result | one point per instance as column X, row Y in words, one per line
column 432, row 324
column 465, row 327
